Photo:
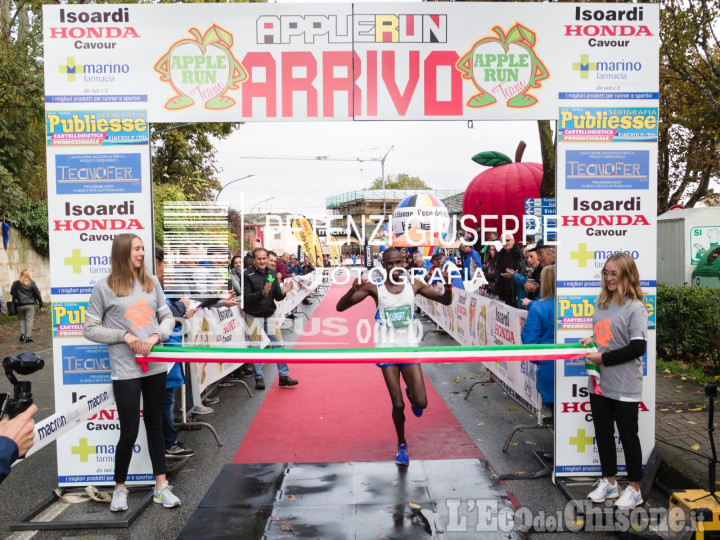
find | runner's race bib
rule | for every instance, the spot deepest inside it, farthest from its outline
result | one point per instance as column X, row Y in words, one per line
column 398, row 316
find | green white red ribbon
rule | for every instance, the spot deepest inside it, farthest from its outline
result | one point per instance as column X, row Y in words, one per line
column 404, row 355
column 593, row 370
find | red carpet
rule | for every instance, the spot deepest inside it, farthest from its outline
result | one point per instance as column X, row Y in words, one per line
column 342, row 412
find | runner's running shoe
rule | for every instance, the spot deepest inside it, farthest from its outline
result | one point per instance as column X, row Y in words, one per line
column 402, row 457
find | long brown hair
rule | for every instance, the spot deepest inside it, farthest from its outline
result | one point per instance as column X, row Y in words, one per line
column 547, row 282
column 25, row 277
column 628, row 281
column 122, row 275
column 491, row 261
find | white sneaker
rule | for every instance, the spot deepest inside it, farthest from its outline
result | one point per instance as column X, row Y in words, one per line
column 119, row 499
column 629, row 499
column 604, row 490
column 201, row 409
column 164, row 495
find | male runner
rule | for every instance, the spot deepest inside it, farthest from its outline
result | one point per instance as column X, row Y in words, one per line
column 395, row 327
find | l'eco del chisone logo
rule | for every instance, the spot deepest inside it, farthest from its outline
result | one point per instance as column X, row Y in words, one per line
column 504, row 68
column 202, row 70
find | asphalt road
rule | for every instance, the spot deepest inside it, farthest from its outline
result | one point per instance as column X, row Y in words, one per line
column 488, row 416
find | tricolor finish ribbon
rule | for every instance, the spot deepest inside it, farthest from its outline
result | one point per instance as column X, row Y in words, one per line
column 593, row 370
column 404, row 355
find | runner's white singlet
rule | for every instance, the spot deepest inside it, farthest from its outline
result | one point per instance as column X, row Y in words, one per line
column 397, row 326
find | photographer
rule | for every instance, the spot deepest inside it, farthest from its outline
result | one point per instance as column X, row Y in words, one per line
column 16, row 438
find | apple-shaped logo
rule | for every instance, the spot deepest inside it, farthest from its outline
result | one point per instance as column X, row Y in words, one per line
column 504, row 67
column 201, row 70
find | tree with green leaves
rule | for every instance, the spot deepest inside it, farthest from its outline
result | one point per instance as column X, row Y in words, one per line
column 688, row 152
column 184, row 164
column 185, row 156
column 400, row 181
column 22, row 121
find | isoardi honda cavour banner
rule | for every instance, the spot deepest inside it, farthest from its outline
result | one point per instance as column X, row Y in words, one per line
column 111, row 70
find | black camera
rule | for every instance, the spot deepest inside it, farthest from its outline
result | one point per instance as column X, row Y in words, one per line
column 22, row 364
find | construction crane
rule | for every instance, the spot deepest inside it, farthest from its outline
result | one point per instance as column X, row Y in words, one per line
column 330, row 158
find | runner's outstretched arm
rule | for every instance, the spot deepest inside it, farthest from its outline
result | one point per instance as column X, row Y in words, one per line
column 357, row 293
column 423, row 289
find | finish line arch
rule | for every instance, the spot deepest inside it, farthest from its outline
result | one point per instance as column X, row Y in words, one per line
column 111, row 70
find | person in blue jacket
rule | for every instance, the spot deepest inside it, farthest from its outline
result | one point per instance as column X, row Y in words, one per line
column 471, row 262
column 16, row 438
column 520, row 278
column 540, row 328
column 442, row 265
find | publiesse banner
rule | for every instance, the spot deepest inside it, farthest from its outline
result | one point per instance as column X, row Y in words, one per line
column 369, row 61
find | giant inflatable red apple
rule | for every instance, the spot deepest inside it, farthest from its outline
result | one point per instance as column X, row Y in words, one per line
column 502, row 190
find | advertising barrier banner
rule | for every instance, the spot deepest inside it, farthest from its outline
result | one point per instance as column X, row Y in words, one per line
column 226, row 327
column 476, row 320
column 215, row 327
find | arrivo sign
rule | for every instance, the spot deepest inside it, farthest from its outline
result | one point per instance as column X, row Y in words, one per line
column 339, row 72
column 228, row 62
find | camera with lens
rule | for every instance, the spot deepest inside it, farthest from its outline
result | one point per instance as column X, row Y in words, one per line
column 22, row 364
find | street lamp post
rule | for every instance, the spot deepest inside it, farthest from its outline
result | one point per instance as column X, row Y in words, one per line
column 247, row 236
column 231, row 182
column 259, row 203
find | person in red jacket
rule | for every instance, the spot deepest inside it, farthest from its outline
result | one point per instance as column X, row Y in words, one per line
column 282, row 267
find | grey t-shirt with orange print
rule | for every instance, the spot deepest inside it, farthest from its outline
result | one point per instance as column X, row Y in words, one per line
column 141, row 313
column 614, row 328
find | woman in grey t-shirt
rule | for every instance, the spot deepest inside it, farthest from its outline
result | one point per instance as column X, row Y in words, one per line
column 620, row 333
column 128, row 312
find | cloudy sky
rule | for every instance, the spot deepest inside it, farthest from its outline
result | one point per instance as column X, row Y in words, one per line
column 438, row 152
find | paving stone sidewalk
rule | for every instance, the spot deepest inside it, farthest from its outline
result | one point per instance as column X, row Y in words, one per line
column 681, row 431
